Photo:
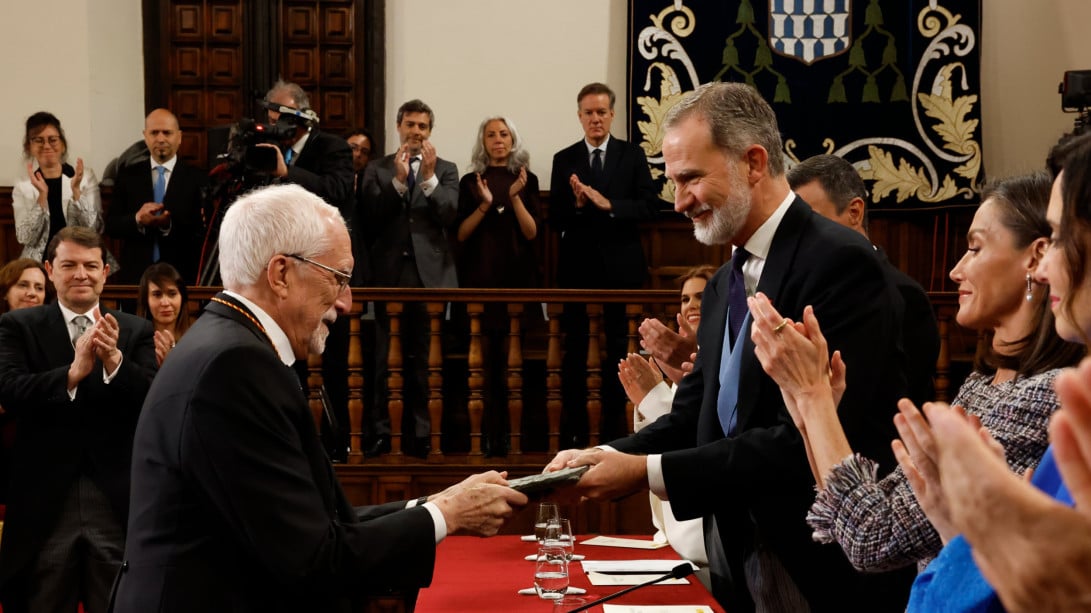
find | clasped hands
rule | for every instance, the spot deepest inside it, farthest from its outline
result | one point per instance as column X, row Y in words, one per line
column 153, row 214
column 98, row 342
column 585, row 193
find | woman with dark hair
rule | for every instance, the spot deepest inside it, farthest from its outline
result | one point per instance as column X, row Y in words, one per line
column 163, row 297
column 652, row 396
column 1021, row 547
column 22, row 284
column 497, row 223
column 878, row 522
column 54, row 194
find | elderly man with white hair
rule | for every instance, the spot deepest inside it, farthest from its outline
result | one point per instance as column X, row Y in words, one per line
column 235, row 507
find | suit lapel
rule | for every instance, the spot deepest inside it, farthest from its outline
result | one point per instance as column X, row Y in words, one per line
column 614, row 151
column 782, row 254
column 55, row 338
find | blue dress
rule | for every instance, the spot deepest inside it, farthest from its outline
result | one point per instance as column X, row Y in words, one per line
column 953, row 583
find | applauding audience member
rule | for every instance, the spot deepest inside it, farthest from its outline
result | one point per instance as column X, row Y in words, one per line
column 1021, row 548
column 22, row 284
column 163, row 296
column 878, row 522
column 497, row 223
column 652, row 397
column 54, row 194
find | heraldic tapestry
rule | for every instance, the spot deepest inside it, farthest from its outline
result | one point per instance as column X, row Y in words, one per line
column 892, row 86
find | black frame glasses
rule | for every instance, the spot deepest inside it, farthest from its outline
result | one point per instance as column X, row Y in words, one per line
column 342, row 277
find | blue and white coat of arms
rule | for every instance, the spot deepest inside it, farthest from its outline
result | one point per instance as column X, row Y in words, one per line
column 810, row 30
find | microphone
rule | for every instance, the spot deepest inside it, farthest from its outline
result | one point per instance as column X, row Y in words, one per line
column 678, row 572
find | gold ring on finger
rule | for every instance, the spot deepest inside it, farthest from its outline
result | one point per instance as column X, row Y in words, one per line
column 780, row 326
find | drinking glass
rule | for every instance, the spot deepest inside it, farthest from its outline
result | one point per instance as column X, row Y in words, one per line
column 547, row 512
column 559, row 534
column 551, row 573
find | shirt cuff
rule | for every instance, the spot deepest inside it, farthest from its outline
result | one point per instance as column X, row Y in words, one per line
column 429, row 186
column 655, row 476
column 108, row 377
column 72, row 393
column 437, row 521
column 399, row 187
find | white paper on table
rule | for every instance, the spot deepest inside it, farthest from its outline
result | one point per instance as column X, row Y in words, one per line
column 604, row 579
column 611, row 541
column 656, row 608
column 633, row 566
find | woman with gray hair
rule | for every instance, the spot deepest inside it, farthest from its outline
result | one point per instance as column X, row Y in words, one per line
column 497, row 223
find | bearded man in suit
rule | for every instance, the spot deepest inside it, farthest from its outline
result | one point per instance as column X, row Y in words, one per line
column 728, row 451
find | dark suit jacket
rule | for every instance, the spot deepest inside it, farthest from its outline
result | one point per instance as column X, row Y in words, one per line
column 920, row 335
column 324, row 168
column 181, row 247
column 600, row 249
column 57, row 438
column 235, row 506
column 757, row 483
column 412, row 223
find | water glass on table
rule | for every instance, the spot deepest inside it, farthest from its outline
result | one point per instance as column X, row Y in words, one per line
column 547, row 512
column 551, row 573
column 559, row 534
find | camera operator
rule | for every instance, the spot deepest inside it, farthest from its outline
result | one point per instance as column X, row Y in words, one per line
column 321, row 163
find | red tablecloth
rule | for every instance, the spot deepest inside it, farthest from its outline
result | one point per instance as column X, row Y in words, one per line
column 474, row 574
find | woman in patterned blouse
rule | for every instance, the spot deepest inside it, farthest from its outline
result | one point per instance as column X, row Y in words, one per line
column 878, row 522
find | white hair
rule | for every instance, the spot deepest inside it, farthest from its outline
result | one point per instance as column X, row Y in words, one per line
column 269, row 221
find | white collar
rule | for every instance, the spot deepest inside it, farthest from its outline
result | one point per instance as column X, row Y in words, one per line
column 68, row 314
column 297, row 146
column 762, row 238
column 591, row 148
column 169, row 164
column 276, row 334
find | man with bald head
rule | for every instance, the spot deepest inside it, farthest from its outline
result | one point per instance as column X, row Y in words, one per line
column 235, row 506
column 156, row 206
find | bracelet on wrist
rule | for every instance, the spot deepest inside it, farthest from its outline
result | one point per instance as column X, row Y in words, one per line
column 421, row 501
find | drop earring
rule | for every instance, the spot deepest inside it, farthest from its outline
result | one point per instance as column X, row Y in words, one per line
column 1030, row 289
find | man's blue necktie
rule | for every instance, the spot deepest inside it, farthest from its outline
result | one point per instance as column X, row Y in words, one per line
column 288, row 155
column 728, row 397
column 411, row 179
column 158, row 191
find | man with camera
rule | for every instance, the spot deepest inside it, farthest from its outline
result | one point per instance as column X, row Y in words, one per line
column 321, row 163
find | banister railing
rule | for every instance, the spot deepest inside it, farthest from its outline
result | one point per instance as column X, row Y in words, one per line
column 538, row 342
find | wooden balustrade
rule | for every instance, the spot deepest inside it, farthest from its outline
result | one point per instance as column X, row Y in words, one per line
column 526, row 344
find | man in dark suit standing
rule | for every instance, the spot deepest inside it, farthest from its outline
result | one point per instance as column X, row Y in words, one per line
column 156, row 208
column 321, row 163
column 411, row 197
column 835, row 191
column 235, row 506
column 74, row 376
column 600, row 190
column 728, row 450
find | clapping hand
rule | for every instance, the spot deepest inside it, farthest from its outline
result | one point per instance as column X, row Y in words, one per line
column 77, row 179
column 519, row 183
column 484, row 191
column 38, row 181
column 427, row 161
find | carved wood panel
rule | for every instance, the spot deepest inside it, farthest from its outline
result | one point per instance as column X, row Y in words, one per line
column 207, row 61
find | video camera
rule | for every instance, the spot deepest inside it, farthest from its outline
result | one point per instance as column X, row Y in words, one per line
column 247, row 134
column 1075, row 92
